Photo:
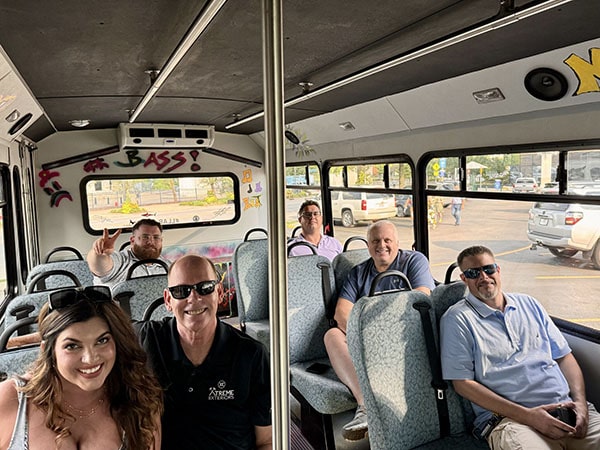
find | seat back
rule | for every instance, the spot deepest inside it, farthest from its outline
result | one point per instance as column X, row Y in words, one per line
column 16, row 361
column 343, row 264
column 446, row 295
column 22, row 306
column 51, row 275
column 156, row 310
column 134, row 295
column 307, row 322
column 251, row 275
column 388, row 349
column 442, row 298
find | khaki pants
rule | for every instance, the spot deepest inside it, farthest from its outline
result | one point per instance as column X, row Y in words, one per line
column 511, row 435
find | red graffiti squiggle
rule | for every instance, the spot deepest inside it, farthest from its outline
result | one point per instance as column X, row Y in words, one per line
column 47, row 175
column 95, row 164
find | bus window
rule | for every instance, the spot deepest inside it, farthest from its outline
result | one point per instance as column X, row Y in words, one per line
column 366, row 175
column 583, row 172
column 177, row 201
column 550, row 250
column 303, row 182
column 385, row 193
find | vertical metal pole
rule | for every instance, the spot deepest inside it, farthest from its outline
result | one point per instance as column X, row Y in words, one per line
column 275, row 167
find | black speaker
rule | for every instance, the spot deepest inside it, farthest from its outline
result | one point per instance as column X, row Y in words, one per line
column 291, row 136
column 546, row 84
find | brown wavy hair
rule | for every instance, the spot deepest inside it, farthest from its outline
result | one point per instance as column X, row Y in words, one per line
column 134, row 395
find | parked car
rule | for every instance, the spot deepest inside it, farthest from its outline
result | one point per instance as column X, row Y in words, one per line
column 550, row 188
column 525, row 184
column 566, row 229
column 353, row 207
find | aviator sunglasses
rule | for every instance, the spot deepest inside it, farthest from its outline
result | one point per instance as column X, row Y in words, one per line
column 183, row 291
column 473, row 273
column 68, row 297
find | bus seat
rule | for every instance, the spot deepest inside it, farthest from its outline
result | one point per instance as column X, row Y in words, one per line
column 26, row 303
column 251, row 277
column 448, row 277
column 352, row 239
column 320, row 395
column 135, row 294
column 54, row 275
column 446, row 295
column 156, row 310
column 343, row 264
column 77, row 266
column 442, row 297
column 388, row 349
column 15, row 361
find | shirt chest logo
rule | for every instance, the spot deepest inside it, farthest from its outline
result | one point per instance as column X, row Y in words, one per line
column 219, row 392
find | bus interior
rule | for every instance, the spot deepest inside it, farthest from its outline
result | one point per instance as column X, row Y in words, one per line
column 218, row 118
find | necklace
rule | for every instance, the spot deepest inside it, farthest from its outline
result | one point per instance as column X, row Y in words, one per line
column 83, row 413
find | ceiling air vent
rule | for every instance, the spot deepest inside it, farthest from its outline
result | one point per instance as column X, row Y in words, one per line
column 156, row 136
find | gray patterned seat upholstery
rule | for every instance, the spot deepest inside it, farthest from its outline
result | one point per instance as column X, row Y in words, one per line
column 251, row 277
column 388, row 349
column 32, row 302
column 324, row 393
column 442, row 297
column 77, row 267
column 16, row 361
column 343, row 264
column 134, row 295
column 446, row 295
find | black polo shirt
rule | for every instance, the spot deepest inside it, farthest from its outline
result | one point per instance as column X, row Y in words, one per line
column 216, row 404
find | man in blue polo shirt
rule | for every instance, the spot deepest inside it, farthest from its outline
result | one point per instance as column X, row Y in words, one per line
column 382, row 241
column 216, row 379
column 504, row 354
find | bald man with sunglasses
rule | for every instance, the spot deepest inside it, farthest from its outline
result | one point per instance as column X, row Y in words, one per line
column 216, row 379
column 504, row 354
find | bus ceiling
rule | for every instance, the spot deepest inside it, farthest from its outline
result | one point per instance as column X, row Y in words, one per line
column 92, row 66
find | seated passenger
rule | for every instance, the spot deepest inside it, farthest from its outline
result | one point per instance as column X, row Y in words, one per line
column 504, row 354
column 385, row 254
column 110, row 266
column 216, row 379
column 311, row 220
column 89, row 387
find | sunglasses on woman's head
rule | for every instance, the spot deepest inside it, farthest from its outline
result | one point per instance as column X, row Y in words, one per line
column 182, row 291
column 473, row 273
column 70, row 296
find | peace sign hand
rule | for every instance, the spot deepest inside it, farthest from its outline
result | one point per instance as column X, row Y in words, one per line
column 106, row 244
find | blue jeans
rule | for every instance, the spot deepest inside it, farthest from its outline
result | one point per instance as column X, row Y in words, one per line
column 456, row 213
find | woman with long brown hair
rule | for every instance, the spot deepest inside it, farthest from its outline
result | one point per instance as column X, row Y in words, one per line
column 89, row 388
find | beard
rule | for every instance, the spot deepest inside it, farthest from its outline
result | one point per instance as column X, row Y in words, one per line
column 487, row 291
column 148, row 252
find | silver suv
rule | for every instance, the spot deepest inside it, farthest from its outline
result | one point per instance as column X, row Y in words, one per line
column 352, row 207
column 566, row 229
column 525, row 185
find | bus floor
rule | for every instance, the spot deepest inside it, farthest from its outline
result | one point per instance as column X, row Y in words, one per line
column 339, row 420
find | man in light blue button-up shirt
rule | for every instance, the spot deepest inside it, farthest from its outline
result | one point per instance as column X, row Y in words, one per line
column 504, row 354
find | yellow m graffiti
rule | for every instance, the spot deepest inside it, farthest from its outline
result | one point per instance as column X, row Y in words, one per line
column 587, row 73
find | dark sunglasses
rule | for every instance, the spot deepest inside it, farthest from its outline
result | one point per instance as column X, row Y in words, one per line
column 184, row 290
column 68, row 297
column 473, row 273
